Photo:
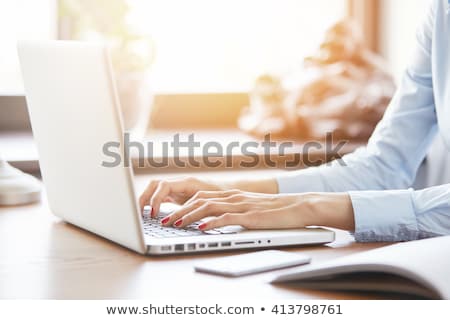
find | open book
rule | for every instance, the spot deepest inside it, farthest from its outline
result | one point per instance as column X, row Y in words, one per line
column 419, row 268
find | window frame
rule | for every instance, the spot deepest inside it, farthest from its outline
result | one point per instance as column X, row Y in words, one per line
column 367, row 14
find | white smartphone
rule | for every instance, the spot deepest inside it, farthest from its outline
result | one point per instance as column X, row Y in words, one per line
column 249, row 263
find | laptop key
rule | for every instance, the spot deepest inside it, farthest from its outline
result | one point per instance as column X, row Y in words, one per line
column 212, row 232
column 226, row 231
column 153, row 228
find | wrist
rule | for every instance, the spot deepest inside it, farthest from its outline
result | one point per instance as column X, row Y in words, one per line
column 333, row 210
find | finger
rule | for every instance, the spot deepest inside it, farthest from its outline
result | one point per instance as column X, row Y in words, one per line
column 163, row 190
column 185, row 209
column 148, row 192
column 210, row 208
column 280, row 218
column 225, row 219
column 212, row 194
column 202, row 199
column 169, row 199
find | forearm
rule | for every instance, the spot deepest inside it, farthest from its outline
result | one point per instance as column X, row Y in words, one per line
column 325, row 209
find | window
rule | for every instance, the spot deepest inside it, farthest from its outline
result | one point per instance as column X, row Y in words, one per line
column 21, row 19
column 201, row 45
column 215, row 45
column 397, row 28
column 220, row 46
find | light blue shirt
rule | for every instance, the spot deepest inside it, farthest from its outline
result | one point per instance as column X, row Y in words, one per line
column 377, row 176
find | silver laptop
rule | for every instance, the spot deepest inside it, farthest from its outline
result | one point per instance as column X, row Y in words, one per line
column 74, row 110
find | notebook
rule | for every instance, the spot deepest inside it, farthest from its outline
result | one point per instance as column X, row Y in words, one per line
column 420, row 268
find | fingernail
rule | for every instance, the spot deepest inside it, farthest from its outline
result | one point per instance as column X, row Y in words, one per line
column 202, row 226
column 165, row 220
column 178, row 223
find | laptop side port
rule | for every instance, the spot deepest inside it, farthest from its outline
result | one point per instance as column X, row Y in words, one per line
column 166, row 248
column 226, row 244
column 213, row 245
column 179, row 247
column 190, row 246
column 244, row 242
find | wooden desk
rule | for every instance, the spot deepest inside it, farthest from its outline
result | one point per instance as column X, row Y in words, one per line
column 43, row 257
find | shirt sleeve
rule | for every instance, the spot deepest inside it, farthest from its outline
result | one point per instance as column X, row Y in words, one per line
column 391, row 158
column 401, row 215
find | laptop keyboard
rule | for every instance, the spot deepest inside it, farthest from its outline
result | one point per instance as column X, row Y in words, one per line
column 153, row 228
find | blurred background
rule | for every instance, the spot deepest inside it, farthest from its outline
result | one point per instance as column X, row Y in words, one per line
column 241, row 67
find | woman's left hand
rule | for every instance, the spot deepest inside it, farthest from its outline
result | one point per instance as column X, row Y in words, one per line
column 264, row 211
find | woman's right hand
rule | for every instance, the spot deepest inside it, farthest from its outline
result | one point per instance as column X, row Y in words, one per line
column 176, row 191
column 181, row 190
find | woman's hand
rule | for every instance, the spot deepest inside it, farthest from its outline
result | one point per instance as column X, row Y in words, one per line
column 182, row 189
column 174, row 190
column 264, row 211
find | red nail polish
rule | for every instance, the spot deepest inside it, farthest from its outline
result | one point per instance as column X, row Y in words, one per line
column 165, row 220
column 202, row 226
column 178, row 223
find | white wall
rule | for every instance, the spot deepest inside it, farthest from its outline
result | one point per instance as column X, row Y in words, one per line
column 399, row 21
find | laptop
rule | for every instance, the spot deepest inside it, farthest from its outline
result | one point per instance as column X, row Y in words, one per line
column 74, row 110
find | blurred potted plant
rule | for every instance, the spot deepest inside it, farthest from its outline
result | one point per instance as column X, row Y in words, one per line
column 132, row 52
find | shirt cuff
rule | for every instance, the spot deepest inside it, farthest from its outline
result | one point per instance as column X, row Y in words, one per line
column 384, row 216
column 300, row 181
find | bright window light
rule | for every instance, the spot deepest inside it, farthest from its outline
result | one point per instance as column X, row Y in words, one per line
column 21, row 19
column 201, row 45
column 216, row 46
